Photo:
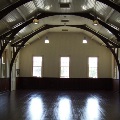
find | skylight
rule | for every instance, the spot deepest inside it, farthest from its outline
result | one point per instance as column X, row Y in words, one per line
column 65, row 1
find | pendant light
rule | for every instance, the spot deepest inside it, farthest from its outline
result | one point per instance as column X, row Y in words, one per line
column 36, row 20
column 95, row 21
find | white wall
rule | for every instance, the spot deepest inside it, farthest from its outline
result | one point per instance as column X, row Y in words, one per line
column 66, row 44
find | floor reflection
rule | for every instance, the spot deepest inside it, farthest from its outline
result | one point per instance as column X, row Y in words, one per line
column 92, row 109
column 36, row 108
column 61, row 105
column 63, row 109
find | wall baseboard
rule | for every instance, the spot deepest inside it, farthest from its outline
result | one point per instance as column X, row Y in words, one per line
column 116, row 85
column 65, row 83
column 4, row 84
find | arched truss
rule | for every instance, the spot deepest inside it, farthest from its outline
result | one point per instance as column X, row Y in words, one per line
column 43, row 14
column 13, row 6
column 18, row 45
column 14, row 31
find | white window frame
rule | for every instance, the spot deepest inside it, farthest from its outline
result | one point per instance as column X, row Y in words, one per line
column 64, row 66
column 92, row 67
column 37, row 66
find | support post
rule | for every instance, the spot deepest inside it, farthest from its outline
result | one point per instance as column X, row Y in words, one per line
column 118, row 54
column 15, row 52
column 0, row 67
column 119, row 77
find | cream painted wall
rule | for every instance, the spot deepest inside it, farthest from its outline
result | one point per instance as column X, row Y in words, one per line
column 66, row 44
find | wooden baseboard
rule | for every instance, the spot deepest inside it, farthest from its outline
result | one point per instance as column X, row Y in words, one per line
column 65, row 83
column 4, row 84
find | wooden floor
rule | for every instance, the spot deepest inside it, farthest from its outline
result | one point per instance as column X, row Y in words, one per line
column 59, row 105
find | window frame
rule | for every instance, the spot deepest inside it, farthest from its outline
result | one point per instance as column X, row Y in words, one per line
column 38, row 66
column 97, row 65
column 63, row 66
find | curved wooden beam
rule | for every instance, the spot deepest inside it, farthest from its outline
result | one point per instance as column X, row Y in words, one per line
column 103, row 38
column 3, row 48
column 43, row 15
column 25, row 39
column 11, row 7
column 85, row 27
column 111, row 4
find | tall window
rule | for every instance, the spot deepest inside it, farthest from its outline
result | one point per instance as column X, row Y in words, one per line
column 93, row 67
column 64, row 67
column 37, row 66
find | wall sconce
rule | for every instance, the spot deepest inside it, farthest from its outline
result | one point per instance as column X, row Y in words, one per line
column 84, row 40
column 46, row 40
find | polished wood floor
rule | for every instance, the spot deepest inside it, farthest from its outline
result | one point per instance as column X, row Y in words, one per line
column 59, row 105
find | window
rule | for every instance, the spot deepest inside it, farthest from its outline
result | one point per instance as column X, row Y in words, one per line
column 93, row 67
column 3, row 59
column 37, row 66
column 64, row 67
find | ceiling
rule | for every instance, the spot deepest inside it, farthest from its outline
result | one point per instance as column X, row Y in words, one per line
column 17, row 16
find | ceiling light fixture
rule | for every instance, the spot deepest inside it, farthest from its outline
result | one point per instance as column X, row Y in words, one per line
column 84, row 40
column 47, row 7
column 84, row 7
column 65, row 4
column 35, row 21
column 95, row 21
column 46, row 40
